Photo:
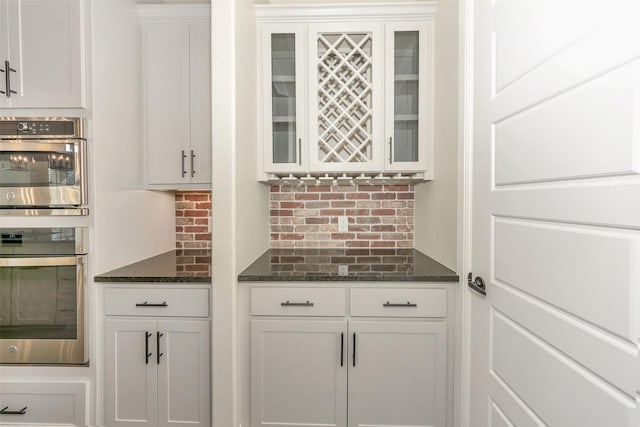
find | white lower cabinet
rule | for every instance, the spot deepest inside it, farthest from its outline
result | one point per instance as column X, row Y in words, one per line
column 296, row 374
column 43, row 403
column 157, row 368
column 351, row 369
column 397, row 375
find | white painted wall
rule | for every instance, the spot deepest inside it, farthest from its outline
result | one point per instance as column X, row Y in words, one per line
column 436, row 201
column 130, row 223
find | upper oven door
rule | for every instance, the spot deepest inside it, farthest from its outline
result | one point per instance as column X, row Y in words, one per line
column 44, row 173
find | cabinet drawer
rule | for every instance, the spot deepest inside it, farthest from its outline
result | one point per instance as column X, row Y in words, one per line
column 46, row 403
column 298, row 302
column 156, row 302
column 399, row 302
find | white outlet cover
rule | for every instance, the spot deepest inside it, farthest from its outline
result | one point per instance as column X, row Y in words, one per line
column 343, row 223
column 343, row 270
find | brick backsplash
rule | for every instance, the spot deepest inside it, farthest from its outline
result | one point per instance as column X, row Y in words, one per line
column 379, row 216
column 193, row 215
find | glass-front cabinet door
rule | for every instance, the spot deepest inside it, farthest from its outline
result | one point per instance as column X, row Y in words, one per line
column 408, row 126
column 283, row 111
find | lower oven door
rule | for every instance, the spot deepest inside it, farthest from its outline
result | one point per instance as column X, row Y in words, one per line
column 42, row 310
column 47, row 173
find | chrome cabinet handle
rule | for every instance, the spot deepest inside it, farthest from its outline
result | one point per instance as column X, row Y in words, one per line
column 287, row 303
column 7, row 79
column 4, row 411
column 184, row 156
column 407, row 304
column 390, row 150
column 147, row 355
column 193, row 156
column 300, row 151
column 158, row 335
column 146, row 304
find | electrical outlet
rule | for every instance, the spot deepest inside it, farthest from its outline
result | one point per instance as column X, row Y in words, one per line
column 343, row 223
column 343, row 270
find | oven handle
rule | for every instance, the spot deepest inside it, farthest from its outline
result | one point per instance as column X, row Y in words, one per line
column 52, row 145
column 41, row 261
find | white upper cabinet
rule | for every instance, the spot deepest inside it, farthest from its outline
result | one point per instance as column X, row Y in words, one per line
column 177, row 96
column 345, row 89
column 42, row 57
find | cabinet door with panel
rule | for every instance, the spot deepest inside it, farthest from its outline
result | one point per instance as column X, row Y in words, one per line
column 41, row 54
column 183, row 372
column 167, row 101
column 283, row 77
column 131, row 373
column 408, row 96
column 397, row 373
column 298, row 373
column 177, row 97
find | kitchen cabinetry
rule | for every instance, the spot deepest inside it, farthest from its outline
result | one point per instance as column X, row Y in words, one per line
column 346, row 89
column 157, row 353
column 380, row 359
column 177, row 96
column 42, row 57
column 43, row 403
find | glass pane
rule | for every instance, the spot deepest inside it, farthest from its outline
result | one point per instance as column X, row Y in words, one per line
column 283, row 97
column 406, row 60
column 37, row 169
column 38, row 302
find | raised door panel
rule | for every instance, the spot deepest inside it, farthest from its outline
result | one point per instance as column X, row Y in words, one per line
column 409, row 96
column 46, row 42
column 200, row 93
column 397, row 373
column 131, row 376
column 183, row 373
column 346, row 79
column 297, row 377
column 167, row 102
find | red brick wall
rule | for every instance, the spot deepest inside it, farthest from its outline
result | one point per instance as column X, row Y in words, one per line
column 193, row 215
column 379, row 216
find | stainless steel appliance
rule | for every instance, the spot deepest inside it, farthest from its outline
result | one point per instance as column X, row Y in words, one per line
column 42, row 295
column 42, row 166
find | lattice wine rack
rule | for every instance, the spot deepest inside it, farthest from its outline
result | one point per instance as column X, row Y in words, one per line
column 345, row 98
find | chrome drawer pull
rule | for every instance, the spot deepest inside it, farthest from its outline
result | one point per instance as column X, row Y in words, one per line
column 408, row 304
column 146, row 304
column 4, row 411
column 287, row 303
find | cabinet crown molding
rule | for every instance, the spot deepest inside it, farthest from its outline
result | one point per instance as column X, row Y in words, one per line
column 323, row 12
column 174, row 13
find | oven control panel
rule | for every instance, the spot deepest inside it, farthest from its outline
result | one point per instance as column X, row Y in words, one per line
column 11, row 127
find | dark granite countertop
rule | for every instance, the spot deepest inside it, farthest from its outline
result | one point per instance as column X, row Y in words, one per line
column 179, row 265
column 356, row 264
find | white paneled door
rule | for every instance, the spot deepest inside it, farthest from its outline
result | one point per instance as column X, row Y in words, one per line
column 556, row 214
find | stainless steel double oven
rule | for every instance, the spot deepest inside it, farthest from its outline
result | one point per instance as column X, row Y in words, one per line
column 43, row 261
column 42, row 295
